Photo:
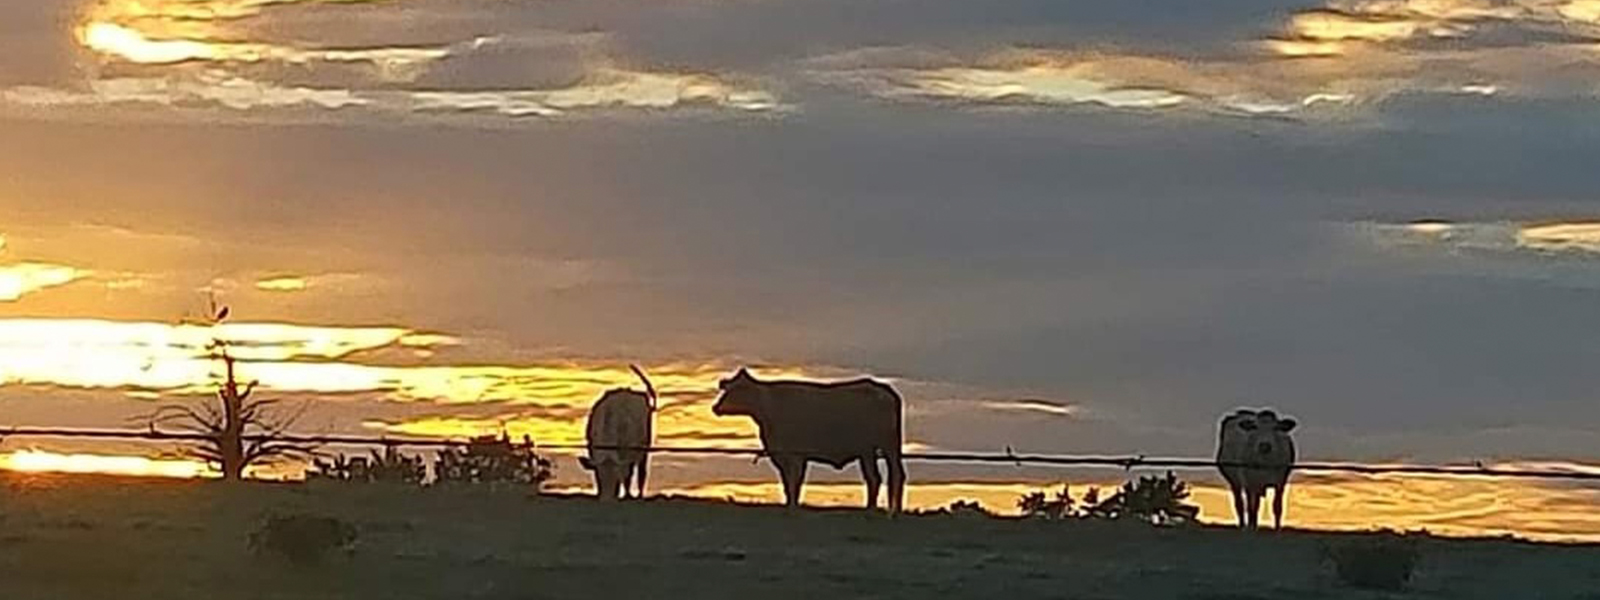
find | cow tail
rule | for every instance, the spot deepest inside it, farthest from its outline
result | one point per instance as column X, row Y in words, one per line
column 649, row 389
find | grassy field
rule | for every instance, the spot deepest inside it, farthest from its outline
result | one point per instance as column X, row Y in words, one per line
column 74, row 537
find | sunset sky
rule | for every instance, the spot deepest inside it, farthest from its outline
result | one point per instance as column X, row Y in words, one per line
column 1074, row 227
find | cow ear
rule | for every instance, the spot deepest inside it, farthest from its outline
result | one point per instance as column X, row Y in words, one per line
column 1247, row 424
column 1287, row 425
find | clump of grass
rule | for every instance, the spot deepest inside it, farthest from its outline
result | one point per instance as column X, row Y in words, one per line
column 1380, row 562
column 302, row 539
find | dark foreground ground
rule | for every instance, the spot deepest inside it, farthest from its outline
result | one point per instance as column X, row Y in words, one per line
column 66, row 538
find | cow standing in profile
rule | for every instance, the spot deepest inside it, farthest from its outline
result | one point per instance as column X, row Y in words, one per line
column 619, row 437
column 832, row 423
column 1254, row 453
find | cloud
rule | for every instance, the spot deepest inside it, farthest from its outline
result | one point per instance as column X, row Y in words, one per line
column 1578, row 240
column 283, row 283
column 1048, row 407
column 131, row 45
column 207, row 53
column 21, row 279
column 212, row 88
column 602, row 89
column 1351, row 56
column 289, row 358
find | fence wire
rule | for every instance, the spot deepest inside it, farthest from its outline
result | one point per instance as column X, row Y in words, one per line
column 1007, row 457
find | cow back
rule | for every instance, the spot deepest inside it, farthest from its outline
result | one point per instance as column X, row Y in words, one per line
column 832, row 423
column 620, row 419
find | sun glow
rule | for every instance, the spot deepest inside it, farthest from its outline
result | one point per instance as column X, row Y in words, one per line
column 21, row 279
column 130, row 44
column 37, row 461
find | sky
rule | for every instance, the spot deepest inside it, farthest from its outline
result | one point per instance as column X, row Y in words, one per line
column 1085, row 227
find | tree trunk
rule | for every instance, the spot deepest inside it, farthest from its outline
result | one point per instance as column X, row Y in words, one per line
column 231, row 445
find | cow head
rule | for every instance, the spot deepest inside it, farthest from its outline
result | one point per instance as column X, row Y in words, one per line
column 1266, row 437
column 739, row 396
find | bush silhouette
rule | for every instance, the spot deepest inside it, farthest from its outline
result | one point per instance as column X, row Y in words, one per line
column 1038, row 504
column 1382, row 562
column 391, row 466
column 961, row 508
column 302, row 539
column 493, row 460
column 1158, row 500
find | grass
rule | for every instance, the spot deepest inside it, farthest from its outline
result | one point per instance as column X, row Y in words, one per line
column 76, row 537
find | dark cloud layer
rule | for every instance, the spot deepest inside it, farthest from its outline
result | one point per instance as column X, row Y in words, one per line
column 1154, row 270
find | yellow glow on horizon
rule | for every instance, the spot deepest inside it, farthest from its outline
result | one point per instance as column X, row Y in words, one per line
column 36, row 461
column 1455, row 507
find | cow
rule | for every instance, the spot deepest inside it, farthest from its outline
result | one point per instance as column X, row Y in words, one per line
column 1254, row 453
column 619, row 436
column 857, row 421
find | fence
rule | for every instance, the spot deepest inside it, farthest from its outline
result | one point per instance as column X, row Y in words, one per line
column 1007, row 457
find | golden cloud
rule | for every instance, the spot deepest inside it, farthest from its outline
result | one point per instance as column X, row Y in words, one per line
column 290, row 358
column 606, row 88
column 1328, row 61
column 196, row 55
column 283, row 283
column 1575, row 239
column 1560, row 237
column 18, row 280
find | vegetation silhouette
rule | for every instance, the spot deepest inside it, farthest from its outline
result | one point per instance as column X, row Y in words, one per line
column 494, row 460
column 1385, row 561
column 237, row 431
column 1156, row 500
column 390, row 466
column 302, row 539
column 1041, row 505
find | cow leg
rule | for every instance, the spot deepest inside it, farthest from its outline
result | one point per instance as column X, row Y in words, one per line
column 793, row 473
column 1253, row 507
column 1277, row 506
column 874, row 479
column 605, row 481
column 643, row 470
column 625, row 476
column 1239, row 506
column 897, row 480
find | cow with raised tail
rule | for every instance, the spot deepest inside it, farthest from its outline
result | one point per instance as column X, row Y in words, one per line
column 836, row 424
column 619, row 437
column 1255, row 453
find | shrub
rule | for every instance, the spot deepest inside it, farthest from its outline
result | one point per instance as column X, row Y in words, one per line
column 391, row 466
column 1382, row 562
column 969, row 508
column 1038, row 504
column 302, row 539
column 1158, row 500
column 493, row 460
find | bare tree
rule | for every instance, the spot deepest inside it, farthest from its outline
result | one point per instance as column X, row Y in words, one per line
column 237, row 431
